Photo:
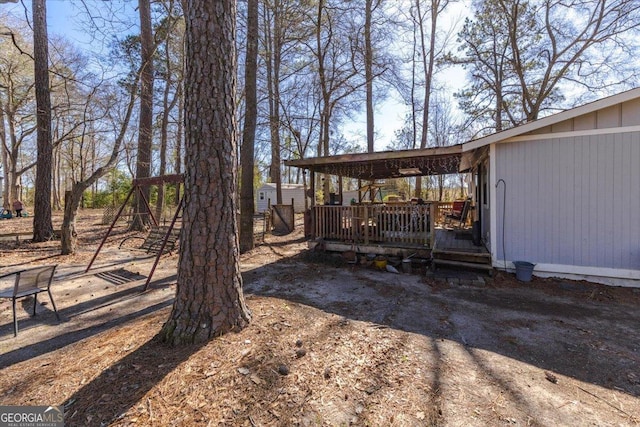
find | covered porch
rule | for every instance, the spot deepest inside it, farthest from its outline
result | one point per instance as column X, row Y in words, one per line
column 392, row 228
column 376, row 228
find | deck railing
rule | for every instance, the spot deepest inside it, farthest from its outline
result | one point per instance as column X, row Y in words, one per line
column 400, row 224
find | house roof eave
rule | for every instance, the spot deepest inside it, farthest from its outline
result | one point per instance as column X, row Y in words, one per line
column 552, row 119
column 387, row 164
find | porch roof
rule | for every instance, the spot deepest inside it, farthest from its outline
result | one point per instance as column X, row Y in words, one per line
column 386, row 164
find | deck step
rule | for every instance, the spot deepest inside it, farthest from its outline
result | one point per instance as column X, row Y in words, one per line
column 476, row 258
column 480, row 266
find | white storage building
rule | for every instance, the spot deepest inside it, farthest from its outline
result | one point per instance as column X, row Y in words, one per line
column 266, row 196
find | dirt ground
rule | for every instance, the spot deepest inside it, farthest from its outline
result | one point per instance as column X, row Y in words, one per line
column 330, row 344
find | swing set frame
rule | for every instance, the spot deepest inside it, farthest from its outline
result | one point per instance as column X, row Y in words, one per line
column 137, row 185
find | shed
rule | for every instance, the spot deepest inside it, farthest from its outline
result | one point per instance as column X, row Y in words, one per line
column 563, row 192
column 266, row 196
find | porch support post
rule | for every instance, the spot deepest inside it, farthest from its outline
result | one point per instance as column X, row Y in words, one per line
column 475, row 178
column 365, row 215
column 312, row 216
column 312, row 186
column 432, row 225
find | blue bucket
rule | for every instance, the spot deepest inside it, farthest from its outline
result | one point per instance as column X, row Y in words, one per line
column 524, row 270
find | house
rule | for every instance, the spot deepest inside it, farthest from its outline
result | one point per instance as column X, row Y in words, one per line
column 266, row 196
column 563, row 192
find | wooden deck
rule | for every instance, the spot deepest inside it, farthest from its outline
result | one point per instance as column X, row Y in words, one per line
column 451, row 247
column 402, row 250
column 375, row 224
column 400, row 224
column 397, row 230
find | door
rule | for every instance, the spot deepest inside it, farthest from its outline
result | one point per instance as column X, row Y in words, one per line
column 484, row 190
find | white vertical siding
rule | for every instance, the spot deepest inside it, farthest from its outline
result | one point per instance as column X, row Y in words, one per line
column 623, row 114
column 263, row 195
column 571, row 201
column 295, row 192
column 630, row 114
column 609, row 117
column 585, row 122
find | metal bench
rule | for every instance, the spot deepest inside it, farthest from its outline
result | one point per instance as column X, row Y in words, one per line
column 28, row 282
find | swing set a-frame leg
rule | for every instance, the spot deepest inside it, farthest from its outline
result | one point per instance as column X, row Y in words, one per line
column 113, row 223
column 164, row 243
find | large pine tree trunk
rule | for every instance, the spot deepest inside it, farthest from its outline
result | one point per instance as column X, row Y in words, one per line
column 42, row 225
column 209, row 299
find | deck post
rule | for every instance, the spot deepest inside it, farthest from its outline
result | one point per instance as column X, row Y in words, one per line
column 312, row 216
column 365, row 215
column 432, row 225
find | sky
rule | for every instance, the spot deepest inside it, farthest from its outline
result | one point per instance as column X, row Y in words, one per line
column 60, row 14
column 63, row 19
column 390, row 114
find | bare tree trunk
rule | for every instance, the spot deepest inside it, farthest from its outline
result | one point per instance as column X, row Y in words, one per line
column 209, row 299
column 13, row 173
column 274, row 46
column 94, row 187
column 428, row 58
column 42, row 225
column 325, row 114
column 180, row 133
column 247, row 149
column 368, row 68
column 167, row 106
column 73, row 201
column 5, row 163
column 57, row 181
column 143, row 162
column 414, row 115
column 69, row 235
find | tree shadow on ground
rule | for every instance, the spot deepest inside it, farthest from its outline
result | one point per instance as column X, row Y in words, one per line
column 58, row 341
column 121, row 391
column 47, row 258
column 591, row 341
column 107, row 397
column 387, row 300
